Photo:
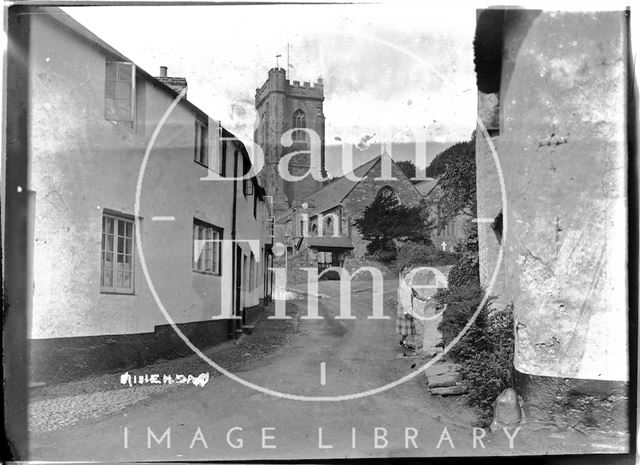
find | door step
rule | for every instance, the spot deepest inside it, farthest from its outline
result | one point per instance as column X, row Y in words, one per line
column 248, row 329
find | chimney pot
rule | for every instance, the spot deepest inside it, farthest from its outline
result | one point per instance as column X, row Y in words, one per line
column 163, row 71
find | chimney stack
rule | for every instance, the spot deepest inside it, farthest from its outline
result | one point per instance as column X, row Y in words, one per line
column 177, row 84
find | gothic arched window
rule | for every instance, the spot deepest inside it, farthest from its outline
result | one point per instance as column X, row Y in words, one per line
column 388, row 192
column 299, row 121
column 330, row 231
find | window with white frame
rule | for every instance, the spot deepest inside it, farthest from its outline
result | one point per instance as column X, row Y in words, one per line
column 213, row 133
column 201, row 154
column 119, row 91
column 206, row 247
column 117, row 254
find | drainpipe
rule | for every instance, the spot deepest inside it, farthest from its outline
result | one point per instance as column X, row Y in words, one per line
column 232, row 323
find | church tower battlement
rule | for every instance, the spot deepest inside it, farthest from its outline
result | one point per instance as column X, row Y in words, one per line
column 283, row 105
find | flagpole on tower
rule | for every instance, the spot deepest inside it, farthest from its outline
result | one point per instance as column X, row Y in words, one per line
column 287, row 74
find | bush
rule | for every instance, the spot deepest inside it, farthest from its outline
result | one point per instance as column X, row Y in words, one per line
column 385, row 256
column 485, row 352
column 462, row 302
column 412, row 254
column 491, row 375
column 470, row 242
column 462, row 297
column 466, row 270
column 384, row 251
column 491, row 371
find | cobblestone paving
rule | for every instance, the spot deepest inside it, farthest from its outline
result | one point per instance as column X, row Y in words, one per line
column 62, row 405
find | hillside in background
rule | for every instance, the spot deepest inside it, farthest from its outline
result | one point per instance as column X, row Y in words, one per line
column 460, row 150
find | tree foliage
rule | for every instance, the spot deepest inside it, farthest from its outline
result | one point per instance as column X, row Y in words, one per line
column 485, row 351
column 457, row 180
column 460, row 150
column 411, row 254
column 385, row 222
column 458, row 185
column 408, row 168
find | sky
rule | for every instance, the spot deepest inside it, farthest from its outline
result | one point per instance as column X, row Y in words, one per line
column 398, row 73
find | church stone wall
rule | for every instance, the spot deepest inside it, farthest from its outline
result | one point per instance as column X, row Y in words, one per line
column 276, row 102
column 365, row 192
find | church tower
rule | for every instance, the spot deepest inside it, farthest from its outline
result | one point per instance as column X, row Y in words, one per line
column 282, row 105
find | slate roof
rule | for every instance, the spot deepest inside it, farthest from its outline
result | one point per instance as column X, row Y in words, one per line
column 174, row 83
column 425, row 187
column 335, row 192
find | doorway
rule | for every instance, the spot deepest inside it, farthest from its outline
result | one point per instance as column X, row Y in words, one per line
column 237, row 311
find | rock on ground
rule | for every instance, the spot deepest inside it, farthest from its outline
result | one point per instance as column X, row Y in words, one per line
column 456, row 390
column 444, row 380
column 507, row 410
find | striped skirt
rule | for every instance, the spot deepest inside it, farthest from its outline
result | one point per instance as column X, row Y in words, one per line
column 405, row 326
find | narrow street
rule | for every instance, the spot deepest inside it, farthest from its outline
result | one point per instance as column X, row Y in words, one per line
column 238, row 422
column 173, row 176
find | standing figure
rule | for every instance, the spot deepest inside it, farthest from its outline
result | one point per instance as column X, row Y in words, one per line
column 405, row 321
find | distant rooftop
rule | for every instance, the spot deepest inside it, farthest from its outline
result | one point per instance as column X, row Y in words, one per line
column 335, row 191
column 426, row 186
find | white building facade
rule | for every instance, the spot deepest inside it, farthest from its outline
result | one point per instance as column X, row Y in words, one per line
column 107, row 255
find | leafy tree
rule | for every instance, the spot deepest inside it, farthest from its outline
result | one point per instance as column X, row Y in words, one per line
column 470, row 243
column 458, row 183
column 460, row 150
column 385, row 222
column 408, row 168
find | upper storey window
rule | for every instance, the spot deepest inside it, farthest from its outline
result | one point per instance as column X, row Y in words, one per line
column 299, row 121
column 201, row 149
column 119, row 91
column 388, row 192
